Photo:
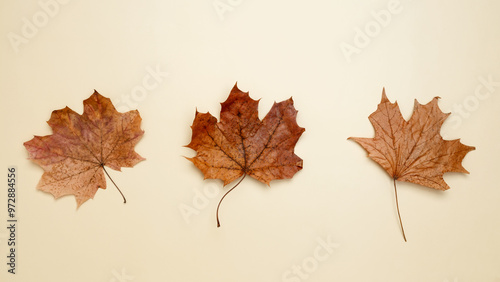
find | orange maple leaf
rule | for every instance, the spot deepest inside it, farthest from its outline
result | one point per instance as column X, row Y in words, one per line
column 74, row 156
column 241, row 144
column 413, row 151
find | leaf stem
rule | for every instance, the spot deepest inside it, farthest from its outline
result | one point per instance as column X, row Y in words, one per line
column 217, row 213
column 124, row 200
column 397, row 206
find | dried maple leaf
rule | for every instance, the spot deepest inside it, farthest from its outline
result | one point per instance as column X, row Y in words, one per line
column 241, row 144
column 413, row 151
column 74, row 156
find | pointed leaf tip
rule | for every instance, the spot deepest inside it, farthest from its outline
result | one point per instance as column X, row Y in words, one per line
column 384, row 96
column 235, row 87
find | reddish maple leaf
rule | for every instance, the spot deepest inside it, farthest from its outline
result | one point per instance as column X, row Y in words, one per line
column 74, row 156
column 413, row 151
column 241, row 144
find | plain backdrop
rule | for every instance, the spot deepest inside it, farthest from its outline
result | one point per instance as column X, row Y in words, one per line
column 335, row 220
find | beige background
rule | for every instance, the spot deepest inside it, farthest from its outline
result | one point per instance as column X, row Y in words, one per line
column 274, row 49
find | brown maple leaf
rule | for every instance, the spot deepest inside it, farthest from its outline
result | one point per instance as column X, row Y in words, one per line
column 413, row 151
column 241, row 144
column 74, row 156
